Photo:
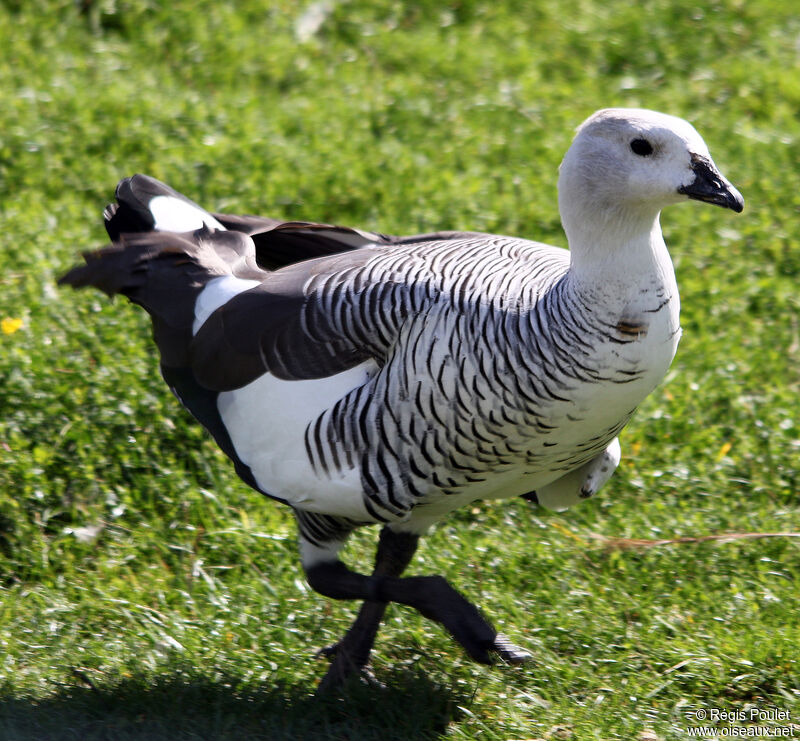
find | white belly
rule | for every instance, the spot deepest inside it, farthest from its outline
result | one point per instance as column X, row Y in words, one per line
column 267, row 421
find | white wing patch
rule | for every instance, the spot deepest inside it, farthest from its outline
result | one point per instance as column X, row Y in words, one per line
column 176, row 215
column 267, row 421
column 216, row 293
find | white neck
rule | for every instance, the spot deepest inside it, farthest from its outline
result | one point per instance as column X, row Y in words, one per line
column 617, row 248
column 621, row 272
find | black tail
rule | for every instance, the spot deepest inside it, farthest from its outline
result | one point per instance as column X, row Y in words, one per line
column 164, row 273
column 166, row 248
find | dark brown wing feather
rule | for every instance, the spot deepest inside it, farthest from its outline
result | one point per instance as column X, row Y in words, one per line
column 282, row 243
column 280, row 327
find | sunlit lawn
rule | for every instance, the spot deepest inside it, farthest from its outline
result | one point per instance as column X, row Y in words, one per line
column 147, row 594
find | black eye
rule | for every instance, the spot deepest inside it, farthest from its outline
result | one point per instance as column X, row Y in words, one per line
column 642, row 147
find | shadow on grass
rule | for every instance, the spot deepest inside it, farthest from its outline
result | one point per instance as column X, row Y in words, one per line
column 181, row 706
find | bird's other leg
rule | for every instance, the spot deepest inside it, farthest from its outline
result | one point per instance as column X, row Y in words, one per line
column 579, row 484
column 351, row 654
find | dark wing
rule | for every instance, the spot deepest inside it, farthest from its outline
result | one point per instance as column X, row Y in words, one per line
column 316, row 314
column 317, row 317
column 282, row 243
column 304, row 321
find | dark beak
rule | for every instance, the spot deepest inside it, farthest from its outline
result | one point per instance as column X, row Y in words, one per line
column 711, row 187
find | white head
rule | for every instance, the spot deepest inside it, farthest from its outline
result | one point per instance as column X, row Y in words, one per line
column 626, row 164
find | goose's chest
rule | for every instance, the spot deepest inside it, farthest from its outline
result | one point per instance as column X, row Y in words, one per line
column 627, row 350
column 566, row 407
column 564, row 391
column 633, row 347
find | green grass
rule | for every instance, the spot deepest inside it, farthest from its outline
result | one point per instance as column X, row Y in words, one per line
column 145, row 593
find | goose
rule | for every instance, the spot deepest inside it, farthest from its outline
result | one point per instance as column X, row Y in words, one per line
column 364, row 379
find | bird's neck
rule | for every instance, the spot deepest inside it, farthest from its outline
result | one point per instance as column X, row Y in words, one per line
column 622, row 250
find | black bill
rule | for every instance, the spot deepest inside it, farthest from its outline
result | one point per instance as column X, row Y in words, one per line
column 710, row 186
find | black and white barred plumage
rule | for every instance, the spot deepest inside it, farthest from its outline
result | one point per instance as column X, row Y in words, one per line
column 362, row 378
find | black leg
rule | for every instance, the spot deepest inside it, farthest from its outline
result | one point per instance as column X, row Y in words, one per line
column 430, row 595
column 351, row 654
